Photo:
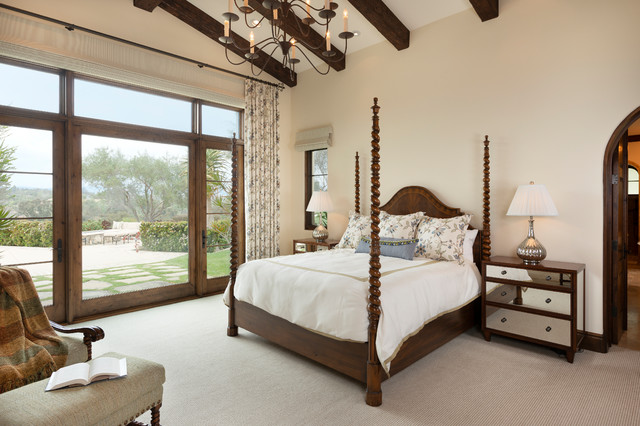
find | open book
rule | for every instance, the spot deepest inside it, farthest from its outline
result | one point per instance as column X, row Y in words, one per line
column 85, row 373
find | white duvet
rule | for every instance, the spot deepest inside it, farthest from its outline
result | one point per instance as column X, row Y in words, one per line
column 327, row 292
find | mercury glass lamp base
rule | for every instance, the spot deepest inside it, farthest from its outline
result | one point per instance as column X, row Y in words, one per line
column 320, row 233
column 531, row 251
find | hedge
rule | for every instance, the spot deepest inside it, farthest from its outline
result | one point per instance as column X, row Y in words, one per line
column 173, row 236
column 155, row 236
column 28, row 234
column 164, row 236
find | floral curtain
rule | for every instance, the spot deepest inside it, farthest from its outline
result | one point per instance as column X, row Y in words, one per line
column 262, row 163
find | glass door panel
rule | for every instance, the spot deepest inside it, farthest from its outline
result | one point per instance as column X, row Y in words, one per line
column 135, row 230
column 218, row 212
column 27, row 238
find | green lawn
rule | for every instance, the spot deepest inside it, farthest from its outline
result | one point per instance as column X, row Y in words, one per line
column 217, row 263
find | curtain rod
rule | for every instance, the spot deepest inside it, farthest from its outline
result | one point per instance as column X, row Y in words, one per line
column 72, row 27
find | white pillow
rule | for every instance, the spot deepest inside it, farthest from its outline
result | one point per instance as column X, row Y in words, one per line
column 467, row 246
column 358, row 226
column 399, row 226
column 442, row 239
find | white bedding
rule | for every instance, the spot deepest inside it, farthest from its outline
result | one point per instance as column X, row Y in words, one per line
column 327, row 292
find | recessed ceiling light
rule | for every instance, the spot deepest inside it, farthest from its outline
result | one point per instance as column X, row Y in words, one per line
column 356, row 33
column 255, row 23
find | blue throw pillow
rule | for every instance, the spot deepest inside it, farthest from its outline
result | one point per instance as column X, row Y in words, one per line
column 392, row 247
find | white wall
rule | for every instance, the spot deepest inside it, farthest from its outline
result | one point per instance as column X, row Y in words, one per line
column 548, row 81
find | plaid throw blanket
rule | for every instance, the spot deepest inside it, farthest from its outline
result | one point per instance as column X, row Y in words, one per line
column 30, row 350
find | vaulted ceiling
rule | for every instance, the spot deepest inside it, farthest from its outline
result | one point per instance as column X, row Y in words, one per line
column 378, row 13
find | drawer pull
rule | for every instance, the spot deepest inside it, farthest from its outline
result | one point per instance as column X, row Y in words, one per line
column 548, row 329
column 504, row 293
column 503, row 320
column 503, row 272
column 548, row 300
column 548, row 278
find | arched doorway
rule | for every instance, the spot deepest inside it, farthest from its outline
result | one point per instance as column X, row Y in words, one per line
column 615, row 247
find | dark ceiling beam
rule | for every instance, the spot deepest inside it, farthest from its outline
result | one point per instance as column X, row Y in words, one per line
column 314, row 42
column 486, row 9
column 147, row 5
column 205, row 24
column 381, row 17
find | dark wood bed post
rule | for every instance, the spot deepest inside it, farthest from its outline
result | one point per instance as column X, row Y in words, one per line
column 232, row 328
column 357, row 183
column 486, row 211
column 374, row 369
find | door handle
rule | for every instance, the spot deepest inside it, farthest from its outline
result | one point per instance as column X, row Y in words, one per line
column 204, row 239
column 59, row 249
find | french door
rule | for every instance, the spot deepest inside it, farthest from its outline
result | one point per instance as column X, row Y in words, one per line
column 32, row 205
column 132, row 239
column 215, row 213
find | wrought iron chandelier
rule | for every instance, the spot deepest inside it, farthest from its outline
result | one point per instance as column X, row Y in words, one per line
column 279, row 17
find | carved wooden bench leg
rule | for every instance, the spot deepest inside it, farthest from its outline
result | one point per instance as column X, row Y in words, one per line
column 155, row 415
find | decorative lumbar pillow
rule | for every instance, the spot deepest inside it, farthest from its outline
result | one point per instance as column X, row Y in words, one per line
column 358, row 226
column 392, row 247
column 399, row 226
column 442, row 239
column 467, row 247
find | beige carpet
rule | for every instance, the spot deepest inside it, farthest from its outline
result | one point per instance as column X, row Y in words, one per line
column 213, row 379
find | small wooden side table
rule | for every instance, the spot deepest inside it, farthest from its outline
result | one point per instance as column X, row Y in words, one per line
column 306, row 245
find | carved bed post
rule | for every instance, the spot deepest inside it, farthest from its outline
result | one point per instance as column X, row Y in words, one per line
column 357, row 183
column 486, row 211
column 374, row 379
column 232, row 328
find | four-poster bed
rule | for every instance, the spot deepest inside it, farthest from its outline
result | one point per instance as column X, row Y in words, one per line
column 360, row 359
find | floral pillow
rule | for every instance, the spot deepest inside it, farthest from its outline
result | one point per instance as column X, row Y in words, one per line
column 399, row 226
column 359, row 225
column 442, row 239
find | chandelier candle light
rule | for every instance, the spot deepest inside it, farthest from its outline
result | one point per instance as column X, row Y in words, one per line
column 279, row 17
column 532, row 200
column 320, row 202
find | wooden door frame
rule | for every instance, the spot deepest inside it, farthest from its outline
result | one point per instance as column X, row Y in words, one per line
column 78, row 307
column 608, row 232
column 55, row 124
column 205, row 285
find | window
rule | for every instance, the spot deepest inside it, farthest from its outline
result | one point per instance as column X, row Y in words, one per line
column 316, row 179
column 28, row 88
column 634, row 181
column 130, row 106
column 217, row 121
column 121, row 215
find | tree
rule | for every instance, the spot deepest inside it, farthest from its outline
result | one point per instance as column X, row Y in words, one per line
column 7, row 157
column 219, row 178
column 150, row 188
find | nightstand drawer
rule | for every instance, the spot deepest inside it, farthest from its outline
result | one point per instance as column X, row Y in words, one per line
column 547, row 300
column 550, row 301
column 553, row 330
column 516, row 274
column 501, row 293
column 525, row 275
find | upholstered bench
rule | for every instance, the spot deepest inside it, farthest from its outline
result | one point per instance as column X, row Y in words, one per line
column 109, row 402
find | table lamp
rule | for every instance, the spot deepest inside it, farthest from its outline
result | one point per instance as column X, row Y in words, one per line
column 532, row 200
column 320, row 202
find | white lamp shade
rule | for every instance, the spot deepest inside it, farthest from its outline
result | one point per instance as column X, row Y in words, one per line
column 320, row 202
column 532, row 200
